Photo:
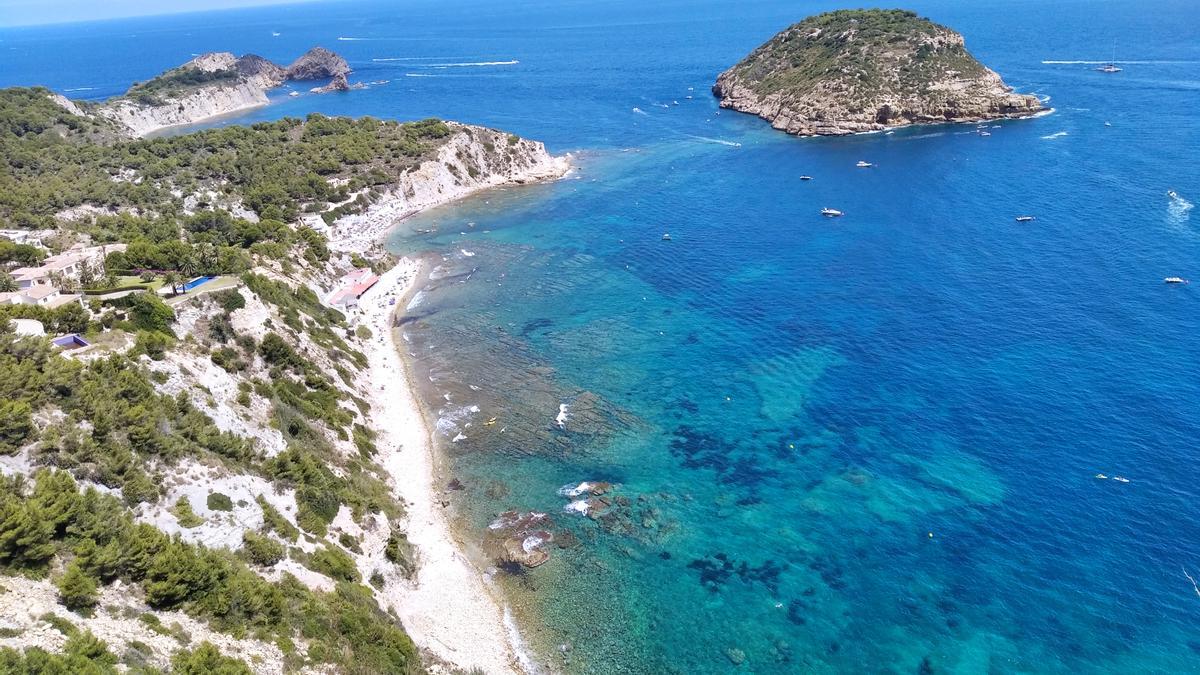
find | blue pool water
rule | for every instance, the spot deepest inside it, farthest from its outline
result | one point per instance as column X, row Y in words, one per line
column 863, row 444
column 198, row 281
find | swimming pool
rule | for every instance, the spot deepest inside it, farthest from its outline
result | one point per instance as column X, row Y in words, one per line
column 197, row 282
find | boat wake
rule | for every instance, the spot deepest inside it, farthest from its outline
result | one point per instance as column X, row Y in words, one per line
column 415, row 58
column 471, row 64
column 1100, row 63
column 707, row 139
column 1055, row 135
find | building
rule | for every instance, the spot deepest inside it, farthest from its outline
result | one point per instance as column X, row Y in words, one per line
column 351, row 288
column 44, row 295
column 65, row 265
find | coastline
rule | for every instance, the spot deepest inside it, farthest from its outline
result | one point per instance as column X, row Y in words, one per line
column 451, row 611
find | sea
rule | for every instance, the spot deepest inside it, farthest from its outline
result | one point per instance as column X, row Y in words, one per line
column 919, row 438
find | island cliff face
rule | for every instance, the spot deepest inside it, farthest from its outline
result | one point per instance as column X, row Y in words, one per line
column 214, row 84
column 852, row 71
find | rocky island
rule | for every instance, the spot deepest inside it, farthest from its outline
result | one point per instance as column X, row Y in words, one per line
column 217, row 83
column 853, row 71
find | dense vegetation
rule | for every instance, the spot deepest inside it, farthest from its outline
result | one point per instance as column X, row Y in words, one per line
column 175, row 82
column 52, row 518
column 865, row 51
column 108, row 421
column 53, row 160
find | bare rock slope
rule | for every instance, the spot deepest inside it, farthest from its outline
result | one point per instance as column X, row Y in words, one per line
column 213, row 84
column 851, row 71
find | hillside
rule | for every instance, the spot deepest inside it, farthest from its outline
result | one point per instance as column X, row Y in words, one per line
column 851, row 71
column 208, row 483
column 213, row 84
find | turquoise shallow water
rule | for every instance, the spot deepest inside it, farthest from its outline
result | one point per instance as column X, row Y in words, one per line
column 791, row 405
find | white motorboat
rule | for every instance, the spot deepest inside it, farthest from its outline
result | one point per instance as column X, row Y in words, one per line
column 830, row 213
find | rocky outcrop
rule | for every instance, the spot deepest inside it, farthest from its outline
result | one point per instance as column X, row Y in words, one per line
column 472, row 159
column 853, row 71
column 318, row 63
column 338, row 83
column 214, row 84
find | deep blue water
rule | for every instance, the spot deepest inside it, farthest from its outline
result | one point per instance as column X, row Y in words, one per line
column 794, row 405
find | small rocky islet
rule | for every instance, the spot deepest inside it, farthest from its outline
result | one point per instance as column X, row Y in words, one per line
column 854, row 71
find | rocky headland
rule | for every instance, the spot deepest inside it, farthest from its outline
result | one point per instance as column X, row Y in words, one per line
column 214, row 84
column 854, row 71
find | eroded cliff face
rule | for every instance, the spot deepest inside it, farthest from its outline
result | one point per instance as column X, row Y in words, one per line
column 216, row 84
column 473, row 158
column 865, row 70
column 196, row 106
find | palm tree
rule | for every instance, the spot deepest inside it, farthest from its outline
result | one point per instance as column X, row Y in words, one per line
column 172, row 277
column 188, row 269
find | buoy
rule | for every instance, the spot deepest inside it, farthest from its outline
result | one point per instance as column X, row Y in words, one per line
column 931, row 535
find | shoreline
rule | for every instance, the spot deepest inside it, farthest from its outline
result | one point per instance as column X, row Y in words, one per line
column 451, row 610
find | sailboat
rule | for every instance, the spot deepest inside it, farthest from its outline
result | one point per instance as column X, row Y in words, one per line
column 1111, row 66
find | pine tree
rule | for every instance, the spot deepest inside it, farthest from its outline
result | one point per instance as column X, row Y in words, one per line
column 26, row 538
column 77, row 590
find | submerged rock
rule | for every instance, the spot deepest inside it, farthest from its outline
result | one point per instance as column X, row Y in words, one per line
column 520, row 537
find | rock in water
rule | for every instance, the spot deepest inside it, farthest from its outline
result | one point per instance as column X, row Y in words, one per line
column 851, row 71
column 318, row 63
column 338, row 83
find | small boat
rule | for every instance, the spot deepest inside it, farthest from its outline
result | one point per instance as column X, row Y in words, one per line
column 1121, row 479
column 830, row 213
column 1175, row 280
column 1111, row 66
column 864, row 165
column 666, row 237
column 1172, row 194
column 1024, row 219
column 490, row 422
column 985, row 133
column 805, row 177
column 294, row 93
column 1101, row 476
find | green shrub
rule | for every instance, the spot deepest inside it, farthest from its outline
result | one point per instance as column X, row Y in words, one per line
column 16, row 426
column 185, row 515
column 334, row 563
column 152, row 344
column 399, row 551
column 229, row 300
column 148, row 312
column 273, row 521
column 219, row 502
column 260, row 549
column 137, row 487
column 76, row 590
column 349, row 543
column 207, row 660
